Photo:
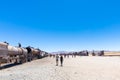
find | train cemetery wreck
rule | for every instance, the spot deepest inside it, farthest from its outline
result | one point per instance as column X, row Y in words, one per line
column 18, row 55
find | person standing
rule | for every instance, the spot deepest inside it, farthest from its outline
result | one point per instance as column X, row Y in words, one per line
column 61, row 60
column 57, row 57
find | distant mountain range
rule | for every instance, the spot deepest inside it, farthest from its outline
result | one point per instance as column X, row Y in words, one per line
column 58, row 52
column 63, row 52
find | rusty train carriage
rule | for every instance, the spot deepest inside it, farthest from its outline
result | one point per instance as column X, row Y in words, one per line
column 3, row 53
column 11, row 54
column 33, row 53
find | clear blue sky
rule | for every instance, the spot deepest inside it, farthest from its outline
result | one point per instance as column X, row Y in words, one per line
column 55, row 25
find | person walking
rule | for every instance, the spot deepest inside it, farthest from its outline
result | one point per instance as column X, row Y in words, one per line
column 57, row 57
column 61, row 60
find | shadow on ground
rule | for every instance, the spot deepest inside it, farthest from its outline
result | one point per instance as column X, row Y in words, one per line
column 9, row 65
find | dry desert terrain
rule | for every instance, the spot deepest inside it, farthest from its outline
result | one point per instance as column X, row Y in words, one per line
column 79, row 68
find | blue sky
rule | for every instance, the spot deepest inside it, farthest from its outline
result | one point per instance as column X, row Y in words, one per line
column 55, row 25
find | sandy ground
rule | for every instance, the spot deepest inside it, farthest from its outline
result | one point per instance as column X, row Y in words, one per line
column 79, row 68
column 112, row 53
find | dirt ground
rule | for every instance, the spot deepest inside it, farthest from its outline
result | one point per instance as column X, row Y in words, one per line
column 79, row 68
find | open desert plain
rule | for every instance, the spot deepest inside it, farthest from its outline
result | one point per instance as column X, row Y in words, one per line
column 79, row 68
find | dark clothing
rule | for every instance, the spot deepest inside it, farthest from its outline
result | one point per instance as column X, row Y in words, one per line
column 61, row 60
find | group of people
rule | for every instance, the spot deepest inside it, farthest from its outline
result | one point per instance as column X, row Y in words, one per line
column 59, row 58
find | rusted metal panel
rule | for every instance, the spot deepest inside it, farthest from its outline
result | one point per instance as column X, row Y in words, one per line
column 3, row 50
column 35, row 51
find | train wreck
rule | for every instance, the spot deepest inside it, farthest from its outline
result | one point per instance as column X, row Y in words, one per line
column 12, row 54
